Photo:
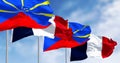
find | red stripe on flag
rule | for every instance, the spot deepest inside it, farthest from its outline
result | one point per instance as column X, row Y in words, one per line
column 108, row 47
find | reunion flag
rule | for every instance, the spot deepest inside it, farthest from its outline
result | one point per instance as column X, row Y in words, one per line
column 24, row 13
column 95, row 47
column 72, row 36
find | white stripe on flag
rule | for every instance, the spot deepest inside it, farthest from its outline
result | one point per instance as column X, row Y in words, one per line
column 49, row 31
column 94, row 46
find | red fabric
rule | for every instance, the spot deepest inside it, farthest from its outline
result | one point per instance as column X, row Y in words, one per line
column 65, row 34
column 108, row 47
column 65, row 44
column 16, row 21
column 62, row 27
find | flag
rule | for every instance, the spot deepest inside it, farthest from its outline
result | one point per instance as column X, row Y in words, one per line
column 74, row 35
column 24, row 13
column 22, row 32
column 64, row 36
column 95, row 47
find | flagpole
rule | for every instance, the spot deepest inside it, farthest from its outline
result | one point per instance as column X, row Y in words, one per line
column 7, row 46
column 38, row 49
column 66, row 55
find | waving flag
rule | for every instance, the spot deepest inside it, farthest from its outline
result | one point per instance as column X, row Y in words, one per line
column 72, row 36
column 24, row 13
column 95, row 47
column 64, row 36
column 22, row 32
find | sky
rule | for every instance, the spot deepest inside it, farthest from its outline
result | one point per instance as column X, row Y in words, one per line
column 101, row 15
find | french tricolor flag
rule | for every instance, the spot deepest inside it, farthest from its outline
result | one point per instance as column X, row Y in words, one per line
column 22, row 32
column 96, row 47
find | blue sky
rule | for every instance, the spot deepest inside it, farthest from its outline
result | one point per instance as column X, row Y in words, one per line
column 101, row 15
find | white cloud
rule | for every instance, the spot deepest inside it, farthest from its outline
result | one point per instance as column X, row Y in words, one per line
column 110, row 21
column 22, row 49
column 82, row 17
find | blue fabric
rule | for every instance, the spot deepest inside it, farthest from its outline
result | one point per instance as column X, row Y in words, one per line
column 5, row 16
column 40, row 19
column 82, row 31
column 77, row 26
column 80, row 40
column 79, row 53
column 49, row 42
column 4, row 6
column 31, row 3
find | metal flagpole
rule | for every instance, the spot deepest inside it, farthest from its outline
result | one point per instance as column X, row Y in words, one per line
column 38, row 49
column 7, row 46
column 66, row 55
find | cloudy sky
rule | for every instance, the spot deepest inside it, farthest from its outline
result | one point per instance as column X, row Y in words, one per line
column 102, row 15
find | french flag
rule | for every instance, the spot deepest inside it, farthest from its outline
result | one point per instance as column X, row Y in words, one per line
column 22, row 32
column 96, row 47
column 57, row 22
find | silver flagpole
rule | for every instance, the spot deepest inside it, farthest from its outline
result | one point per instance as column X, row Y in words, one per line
column 7, row 46
column 66, row 55
column 38, row 49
